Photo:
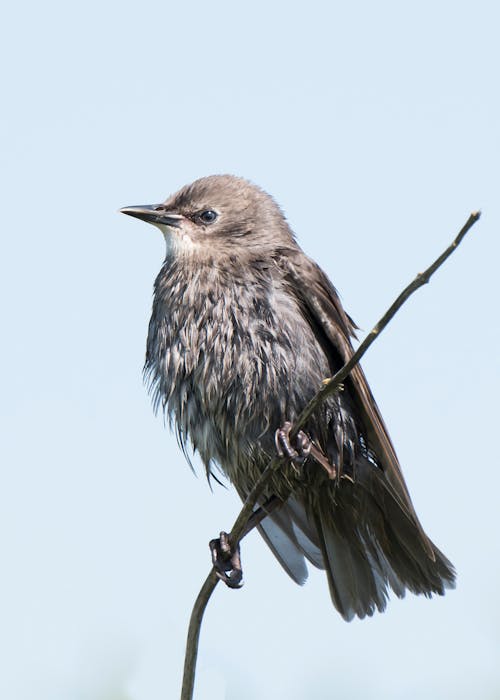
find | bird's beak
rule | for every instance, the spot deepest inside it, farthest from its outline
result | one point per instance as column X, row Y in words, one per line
column 154, row 214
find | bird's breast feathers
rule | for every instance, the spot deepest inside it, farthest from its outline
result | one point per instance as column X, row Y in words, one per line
column 217, row 346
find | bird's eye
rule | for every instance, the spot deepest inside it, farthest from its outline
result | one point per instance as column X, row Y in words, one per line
column 208, row 216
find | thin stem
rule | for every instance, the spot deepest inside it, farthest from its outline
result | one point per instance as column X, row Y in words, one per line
column 330, row 386
column 238, row 531
column 208, row 588
column 193, row 636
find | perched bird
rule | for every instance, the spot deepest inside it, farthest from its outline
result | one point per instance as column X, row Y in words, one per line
column 244, row 329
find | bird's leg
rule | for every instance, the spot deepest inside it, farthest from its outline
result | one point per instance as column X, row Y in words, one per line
column 297, row 453
column 227, row 564
column 304, row 447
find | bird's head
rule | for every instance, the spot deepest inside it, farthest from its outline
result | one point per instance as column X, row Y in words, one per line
column 218, row 215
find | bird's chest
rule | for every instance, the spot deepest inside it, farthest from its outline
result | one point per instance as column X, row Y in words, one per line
column 226, row 361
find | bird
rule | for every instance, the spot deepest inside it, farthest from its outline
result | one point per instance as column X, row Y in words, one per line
column 244, row 329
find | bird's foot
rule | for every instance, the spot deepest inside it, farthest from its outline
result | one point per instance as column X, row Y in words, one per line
column 296, row 453
column 227, row 564
column 304, row 447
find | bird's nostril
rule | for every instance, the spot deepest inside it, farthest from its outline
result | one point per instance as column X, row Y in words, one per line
column 160, row 208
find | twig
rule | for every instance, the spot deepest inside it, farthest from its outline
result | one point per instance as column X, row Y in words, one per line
column 329, row 387
column 237, row 532
column 193, row 636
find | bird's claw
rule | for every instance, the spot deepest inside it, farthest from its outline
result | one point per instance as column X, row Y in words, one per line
column 227, row 564
column 304, row 447
column 299, row 452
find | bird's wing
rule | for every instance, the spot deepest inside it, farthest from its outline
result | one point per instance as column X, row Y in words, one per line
column 321, row 306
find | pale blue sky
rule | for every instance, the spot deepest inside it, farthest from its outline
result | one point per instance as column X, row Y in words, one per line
column 376, row 127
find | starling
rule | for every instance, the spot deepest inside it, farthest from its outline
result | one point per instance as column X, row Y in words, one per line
column 244, row 329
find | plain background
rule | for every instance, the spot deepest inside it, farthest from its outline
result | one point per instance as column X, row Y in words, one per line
column 376, row 127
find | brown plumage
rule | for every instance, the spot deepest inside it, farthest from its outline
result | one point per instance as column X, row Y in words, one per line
column 244, row 329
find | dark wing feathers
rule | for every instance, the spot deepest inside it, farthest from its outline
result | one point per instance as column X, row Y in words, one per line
column 368, row 537
column 314, row 290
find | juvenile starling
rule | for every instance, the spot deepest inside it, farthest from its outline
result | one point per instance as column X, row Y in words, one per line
column 244, row 329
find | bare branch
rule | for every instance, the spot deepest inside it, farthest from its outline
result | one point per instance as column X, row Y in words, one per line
column 194, row 634
column 330, row 386
column 237, row 533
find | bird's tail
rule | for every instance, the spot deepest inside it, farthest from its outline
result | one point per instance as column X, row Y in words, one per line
column 365, row 538
column 370, row 545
